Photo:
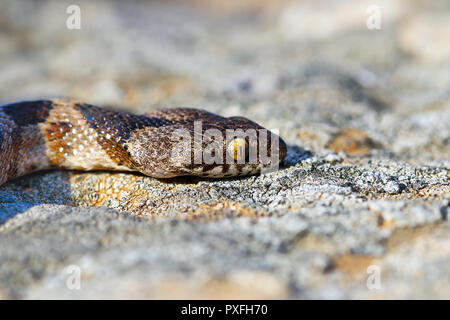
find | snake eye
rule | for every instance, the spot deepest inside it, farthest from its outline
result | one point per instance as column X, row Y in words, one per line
column 237, row 149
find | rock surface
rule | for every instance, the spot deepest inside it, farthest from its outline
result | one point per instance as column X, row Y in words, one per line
column 359, row 208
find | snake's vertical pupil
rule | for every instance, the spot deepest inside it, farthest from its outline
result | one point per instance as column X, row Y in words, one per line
column 236, row 148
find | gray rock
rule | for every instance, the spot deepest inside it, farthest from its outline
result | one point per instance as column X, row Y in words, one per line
column 363, row 192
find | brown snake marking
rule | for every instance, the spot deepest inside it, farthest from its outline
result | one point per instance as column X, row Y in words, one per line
column 47, row 134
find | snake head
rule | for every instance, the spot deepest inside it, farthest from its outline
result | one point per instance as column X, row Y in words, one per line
column 194, row 142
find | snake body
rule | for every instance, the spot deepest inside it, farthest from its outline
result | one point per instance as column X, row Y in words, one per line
column 52, row 134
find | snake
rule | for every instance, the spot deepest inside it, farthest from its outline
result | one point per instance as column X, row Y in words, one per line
column 162, row 143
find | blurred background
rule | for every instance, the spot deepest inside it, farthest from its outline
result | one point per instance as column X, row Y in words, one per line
column 299, row 66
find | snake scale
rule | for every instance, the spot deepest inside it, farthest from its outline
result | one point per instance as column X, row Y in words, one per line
column 63, row 134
